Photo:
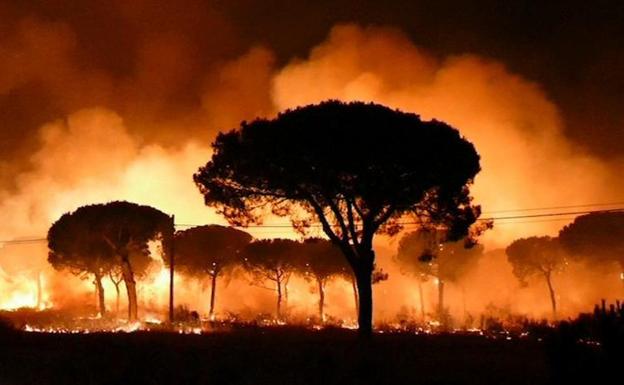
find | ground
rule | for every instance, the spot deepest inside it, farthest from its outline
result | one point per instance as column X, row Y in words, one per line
column 273, row 356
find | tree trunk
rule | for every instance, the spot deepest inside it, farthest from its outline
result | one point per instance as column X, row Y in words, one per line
column 128, row 277
column 212, row 295
column 321, row 303
column 100, row 293
column 117, row 299
column 365, row 296
column 553, row 300
column 356, row 297
column 279, row 299
column 441, row 301
column 116, row 284
column 422, row 300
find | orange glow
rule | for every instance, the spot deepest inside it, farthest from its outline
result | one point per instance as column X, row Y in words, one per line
column 93, row 155
column 21, row 292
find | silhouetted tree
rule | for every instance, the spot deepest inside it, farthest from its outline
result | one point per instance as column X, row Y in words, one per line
column 120, row 230
column 597, row 238
column 429, row 253
column 209, row 251
column 537, row 256
column 75, row 247
column 321, row 260
column 273, row 260
column 356, row 168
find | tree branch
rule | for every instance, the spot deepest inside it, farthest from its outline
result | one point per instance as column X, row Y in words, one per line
column 324, row 223
column 344, row 246
column 358, row 210
column 110, row 243
column 261, row 286
column 339, row 218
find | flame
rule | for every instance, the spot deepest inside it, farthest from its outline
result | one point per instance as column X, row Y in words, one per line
column 21, row 291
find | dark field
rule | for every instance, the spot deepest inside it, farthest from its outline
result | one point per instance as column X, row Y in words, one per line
column 288, row 356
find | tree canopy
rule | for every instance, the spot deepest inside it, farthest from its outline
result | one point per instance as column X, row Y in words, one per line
column 427, row 252
column 209, row 251
column 596, row 237
column 535, row 256
column 273, row 260
column 356, row 168
column 75, row 246
column 117, row 231
column 322, row 260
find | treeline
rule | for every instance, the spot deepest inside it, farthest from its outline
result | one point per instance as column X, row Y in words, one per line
column 595, row 239
column 214, row 251
column 112, row 241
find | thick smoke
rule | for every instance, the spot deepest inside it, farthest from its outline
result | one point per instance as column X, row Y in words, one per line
column 140, row 138
column 526, row 161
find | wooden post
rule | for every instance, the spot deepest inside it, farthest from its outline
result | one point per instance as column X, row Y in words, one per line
column 171, row 269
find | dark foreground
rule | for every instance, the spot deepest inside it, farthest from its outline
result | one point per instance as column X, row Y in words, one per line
column 288, row 356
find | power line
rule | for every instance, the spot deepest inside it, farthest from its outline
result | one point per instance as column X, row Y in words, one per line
column 532, row 218
column 560, row 219
column 555, row 207
column 552, row 214
column 525, row 216
column 18, row 241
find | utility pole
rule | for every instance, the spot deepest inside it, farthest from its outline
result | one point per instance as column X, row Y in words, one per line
column 171, row 268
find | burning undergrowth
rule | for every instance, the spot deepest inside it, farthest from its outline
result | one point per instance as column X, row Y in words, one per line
column 508, row 327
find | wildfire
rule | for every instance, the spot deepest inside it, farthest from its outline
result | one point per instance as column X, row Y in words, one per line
column 22, row 292
column 17, row 300
column 151, row 323
column 122, row 327
column 182, row 328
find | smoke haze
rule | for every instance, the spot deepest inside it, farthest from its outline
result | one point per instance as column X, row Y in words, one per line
column 80, row 127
